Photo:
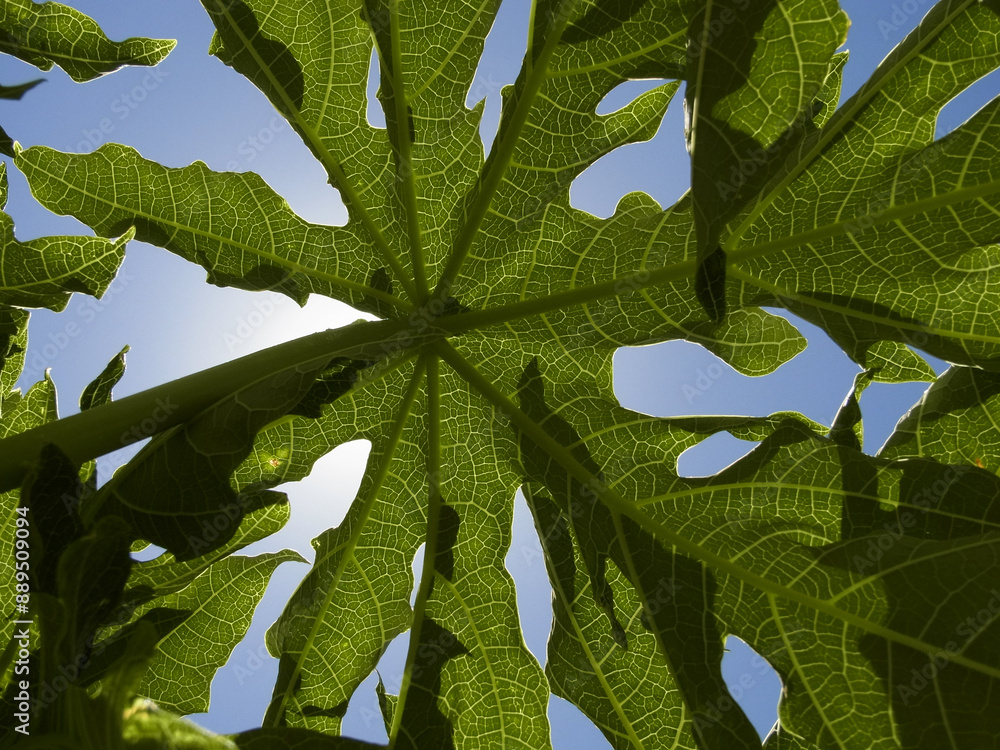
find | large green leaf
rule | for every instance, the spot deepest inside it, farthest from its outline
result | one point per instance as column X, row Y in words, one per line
column 755, row 76
column 831, row 562
column 233, row 224
column 955, row 421
column 49, row 33
column 46, row 271
column 214, row 612
column 872, row 205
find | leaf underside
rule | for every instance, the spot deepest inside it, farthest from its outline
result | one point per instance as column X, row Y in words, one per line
column 831, row 563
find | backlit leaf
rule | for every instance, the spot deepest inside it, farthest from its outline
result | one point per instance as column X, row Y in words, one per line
column 44, row 272
column 855, row 576
column 215, row 612
column 49, row 33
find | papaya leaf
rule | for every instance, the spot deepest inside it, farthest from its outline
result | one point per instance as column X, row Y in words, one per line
column 198, row 511
column 217, row 607
column 50, row 33
column 72, row 264
column 954, row 422
column 754, row 79
column 98, row 392
column 866, row 581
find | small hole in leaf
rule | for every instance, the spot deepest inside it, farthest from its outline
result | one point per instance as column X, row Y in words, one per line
column 149, row 552
column 753, row 684
column 712, row 455
column 966, row 104
column 376, row 117
column 624, row 94
column 418, row 564
column 526, row 564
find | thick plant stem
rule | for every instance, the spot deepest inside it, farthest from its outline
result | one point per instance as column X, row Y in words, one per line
column 107, row 428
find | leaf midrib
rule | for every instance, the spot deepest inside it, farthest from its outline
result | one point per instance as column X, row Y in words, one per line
column 617, row 504
column 212, row 236
column 793, row 656
column 53, row 57
column 392, row 443
column 666, row 41
column 501, row 156
column 892, row 214
column 581, row 639
column 840, row 122
column 851, row 312
column 330, row 163
column 691, row 493
column 429, row 365
column 400, row 99
column 950, row 548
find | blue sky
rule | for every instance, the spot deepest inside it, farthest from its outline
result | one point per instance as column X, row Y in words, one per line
column 194, row 108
